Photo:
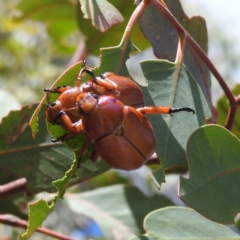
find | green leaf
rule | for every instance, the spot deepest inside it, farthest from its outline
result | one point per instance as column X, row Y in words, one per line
column 89, row 169
column 164, row 40
column 38, row 160
column 103, row 14
column 43, row 10
column 58, row 15
column 166, row 88
column 237, row 222
column 213, row 187
column 61, row 21
column 222, row 110
column 38, row 212
column 158, row 177
column 182, row 223
column 113, row 59
column 96, row 40
column 122, row 208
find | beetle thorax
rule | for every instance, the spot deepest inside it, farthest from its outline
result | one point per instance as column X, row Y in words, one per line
column 105, row 119
column 86, row 102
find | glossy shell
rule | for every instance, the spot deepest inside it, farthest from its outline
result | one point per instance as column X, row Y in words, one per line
column 124, row 138
column 104, row 119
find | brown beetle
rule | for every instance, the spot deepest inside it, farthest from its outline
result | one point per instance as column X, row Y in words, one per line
column 104, row 109
column 107, row 84
column 111, row 125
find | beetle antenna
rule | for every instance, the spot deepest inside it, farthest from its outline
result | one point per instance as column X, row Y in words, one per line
column 183, row 109
column 47, row 90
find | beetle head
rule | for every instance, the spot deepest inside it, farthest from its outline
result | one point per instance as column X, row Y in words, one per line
column 52, row 111
column 86, row 102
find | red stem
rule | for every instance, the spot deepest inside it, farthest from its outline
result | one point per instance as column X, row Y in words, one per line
column 127, row 33
column 17, row 222
column 14, row 187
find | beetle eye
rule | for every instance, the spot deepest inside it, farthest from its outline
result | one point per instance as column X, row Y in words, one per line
column 53, row 104
column 101, row 76
column 95, row 96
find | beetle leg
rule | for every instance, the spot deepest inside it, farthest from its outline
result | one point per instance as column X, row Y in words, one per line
column 101, row 81
column 109, row 85
column 83, row 150
column 59, row 89
column 163, row 110
column 68, row 124
column 83, row 70
column 73, row 128
column 183, row 109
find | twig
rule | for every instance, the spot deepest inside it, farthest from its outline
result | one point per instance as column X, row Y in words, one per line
column 232, row 112
column 127, row 33
column 17, row 222
column 12, row 188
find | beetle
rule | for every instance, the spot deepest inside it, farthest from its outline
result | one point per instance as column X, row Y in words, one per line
column 122, row 136
column 107, row 84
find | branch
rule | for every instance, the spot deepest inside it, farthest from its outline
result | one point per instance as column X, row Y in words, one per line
column 128, row 30
column 14, row 187
column 17, row 222
column 232, row 113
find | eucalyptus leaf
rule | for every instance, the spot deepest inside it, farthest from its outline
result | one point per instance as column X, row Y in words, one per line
column 173, row 87
column 39, row 160
column 182, row 223
column 122, row 208
column 102, row 13
column 212, row 190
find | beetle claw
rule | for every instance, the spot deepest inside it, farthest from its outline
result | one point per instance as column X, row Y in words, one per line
column 183, row 109
column 54, row 140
